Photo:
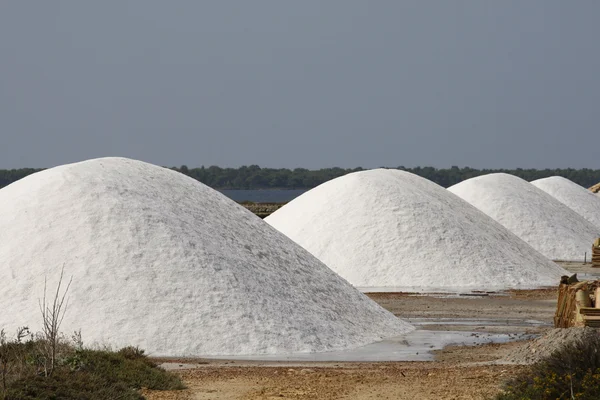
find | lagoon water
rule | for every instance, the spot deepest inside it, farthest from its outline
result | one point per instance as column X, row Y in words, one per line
column 264, row 196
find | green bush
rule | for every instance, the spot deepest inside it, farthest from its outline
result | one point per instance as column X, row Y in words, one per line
column 137, row 372
column 85, row 374
column 69, row 385
column 572, row 372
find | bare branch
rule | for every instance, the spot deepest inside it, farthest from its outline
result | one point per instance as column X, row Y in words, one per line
column 52, row 317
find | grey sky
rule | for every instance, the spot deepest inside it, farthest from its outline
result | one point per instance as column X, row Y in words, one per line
column 308, row 83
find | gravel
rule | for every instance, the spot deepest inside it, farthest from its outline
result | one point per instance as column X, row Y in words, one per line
column 554, row 340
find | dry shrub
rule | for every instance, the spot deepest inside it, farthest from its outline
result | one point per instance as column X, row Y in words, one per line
column 573, row 372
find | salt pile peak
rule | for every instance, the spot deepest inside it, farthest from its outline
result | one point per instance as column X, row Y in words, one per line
column 576, row 197
column 389, row 228
column 161, row 261
column 545, row 223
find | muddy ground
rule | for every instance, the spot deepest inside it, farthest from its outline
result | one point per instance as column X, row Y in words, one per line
column 458, row 372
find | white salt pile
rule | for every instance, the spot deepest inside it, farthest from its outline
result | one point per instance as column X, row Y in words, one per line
column 161, row 261
column 576, row 197
column 389, row 228
column 545, row 223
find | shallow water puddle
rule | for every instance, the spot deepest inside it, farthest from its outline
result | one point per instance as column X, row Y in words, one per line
column 414, row 346
column 477, row 322
column 446, row 291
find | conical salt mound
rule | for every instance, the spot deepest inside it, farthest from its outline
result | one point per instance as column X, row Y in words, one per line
column 576, row 197
column 545, row 223
column 388, row 228
column 163, row 262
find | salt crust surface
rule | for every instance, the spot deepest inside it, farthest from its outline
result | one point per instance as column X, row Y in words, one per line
column 387, row 228
column 166, row 263
column 545, row 223
column 576, row 197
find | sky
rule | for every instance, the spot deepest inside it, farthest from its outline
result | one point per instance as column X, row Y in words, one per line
column 311, row 83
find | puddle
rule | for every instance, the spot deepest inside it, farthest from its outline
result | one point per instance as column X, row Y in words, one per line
column 465, row 295
column 476, row 322
column 414, row 346
column 429, row 291
column 444, row 292
column 588, row 276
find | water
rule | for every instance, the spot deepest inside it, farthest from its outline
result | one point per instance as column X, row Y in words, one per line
column 512, row 322
column 447, row 291
column 263, row 196
column 414, row 346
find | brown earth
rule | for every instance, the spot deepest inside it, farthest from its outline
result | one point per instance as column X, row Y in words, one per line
column 345, row 381
column 508, row 310
column 263, row 210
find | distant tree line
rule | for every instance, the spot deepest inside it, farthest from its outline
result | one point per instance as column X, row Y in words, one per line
column 255, row 177
column 8, row 176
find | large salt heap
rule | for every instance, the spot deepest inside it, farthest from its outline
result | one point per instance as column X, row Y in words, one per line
column 545, row 223
column 161, row 261
column 576, row 197
column 392, row 229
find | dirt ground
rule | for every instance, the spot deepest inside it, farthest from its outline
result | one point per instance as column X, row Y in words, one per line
column 497, row 313
column 581, row 268
column 347, row 381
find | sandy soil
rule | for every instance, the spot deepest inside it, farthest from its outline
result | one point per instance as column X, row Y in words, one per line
column 459, row 372
column 346, row 381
